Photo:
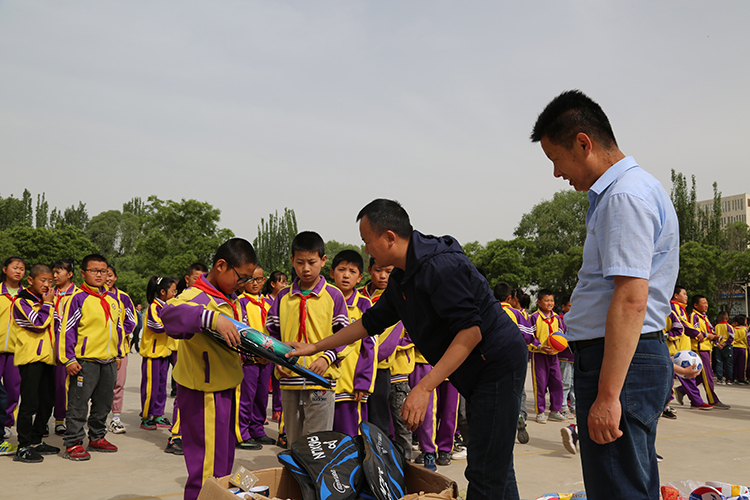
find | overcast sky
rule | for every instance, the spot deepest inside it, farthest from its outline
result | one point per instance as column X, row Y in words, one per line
column 324, row 106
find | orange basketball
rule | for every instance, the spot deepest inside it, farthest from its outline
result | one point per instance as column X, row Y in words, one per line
column 557, row 342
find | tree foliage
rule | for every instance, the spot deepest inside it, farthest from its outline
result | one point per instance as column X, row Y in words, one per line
column 274, row 241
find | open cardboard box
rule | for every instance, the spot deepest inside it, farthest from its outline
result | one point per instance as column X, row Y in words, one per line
column 283, row 486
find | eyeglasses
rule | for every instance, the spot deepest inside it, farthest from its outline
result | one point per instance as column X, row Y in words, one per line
column 96, row 271
column 240, row 279
column 258, row 280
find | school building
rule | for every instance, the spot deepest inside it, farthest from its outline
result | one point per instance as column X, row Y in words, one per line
column 733, row 208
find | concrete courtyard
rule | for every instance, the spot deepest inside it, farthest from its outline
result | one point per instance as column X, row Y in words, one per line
column 699, row 445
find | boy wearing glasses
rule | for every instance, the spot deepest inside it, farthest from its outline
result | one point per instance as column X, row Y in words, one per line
column 208, row 373
column 308, row 311
column 90, row 344
column 252, row 394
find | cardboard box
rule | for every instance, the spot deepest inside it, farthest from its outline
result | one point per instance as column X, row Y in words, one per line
column 283, row 486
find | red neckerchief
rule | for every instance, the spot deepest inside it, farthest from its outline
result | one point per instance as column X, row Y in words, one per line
column 102, row 298
column 207, row 288
column 548, row 321
column 259, row 303
column 302, row 332
column 59, row 295
column 702, row 316
column 12, row 298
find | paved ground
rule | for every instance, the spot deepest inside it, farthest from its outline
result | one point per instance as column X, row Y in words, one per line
column 713, row 445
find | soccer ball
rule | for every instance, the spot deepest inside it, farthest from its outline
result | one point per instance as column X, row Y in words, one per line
column 686, row 359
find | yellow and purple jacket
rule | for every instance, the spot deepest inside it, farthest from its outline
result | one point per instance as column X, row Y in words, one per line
column 7, row 340
column 359, row 359
column 127, row 316
column 34, row 329
column 542, row 327
column 308, row 317
column 701, row 323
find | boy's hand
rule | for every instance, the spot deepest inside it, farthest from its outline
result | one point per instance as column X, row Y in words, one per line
column 548, row 350
column 302, row 349
column 358, row 395
column 49, row 296
column 700, row 337
column 228, row 331
column 73, row 368
column 319, row 366
column 119, row 363
column 284, row 373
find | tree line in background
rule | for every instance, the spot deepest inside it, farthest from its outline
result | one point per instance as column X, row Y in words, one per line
column 164, row 237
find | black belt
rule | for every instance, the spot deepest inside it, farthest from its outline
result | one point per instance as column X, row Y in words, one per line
column 581, row 344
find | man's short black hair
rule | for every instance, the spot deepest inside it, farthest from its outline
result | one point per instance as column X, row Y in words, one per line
column 309, row 241
column 569, row 114
column 502, row 291
column 387, row 215
column 543, row 293
column 350, row 257
column 92, row 257
column 236, row 252
column 38, row 269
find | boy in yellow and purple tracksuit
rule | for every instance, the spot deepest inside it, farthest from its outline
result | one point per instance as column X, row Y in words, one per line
column 252, row 394
column 127, row 325
column 740, row 348
column 723, row 349
column 545, row 367
column 703, row 345
column 33, row 325
column 208, row 372
column 357, row 379
column 308, row 311
column 62, row 274
column 89, row 344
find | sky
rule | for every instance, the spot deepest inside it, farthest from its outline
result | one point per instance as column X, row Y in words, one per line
column 323, row 106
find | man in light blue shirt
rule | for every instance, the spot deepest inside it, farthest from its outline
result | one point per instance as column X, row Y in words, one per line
column 623, row 371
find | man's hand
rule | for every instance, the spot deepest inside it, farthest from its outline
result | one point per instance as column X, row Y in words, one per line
column 358, row 395
column 302, row 349
column 415, row 407
column 228, row 331
column 319, row 366
column 604, row 421
column 73, row 368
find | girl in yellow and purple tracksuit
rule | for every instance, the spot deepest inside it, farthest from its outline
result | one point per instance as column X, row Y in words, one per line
column 13, row 270
column 155, row 350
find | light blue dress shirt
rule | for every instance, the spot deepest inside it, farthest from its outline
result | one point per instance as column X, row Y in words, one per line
column 631, row 230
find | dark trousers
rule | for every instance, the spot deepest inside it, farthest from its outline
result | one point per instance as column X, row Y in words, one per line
column 627, row 467
column 96, row 383
column 723, row 362
column 492, row 412
column 378, row 405
column 3, row 406
column 37, row 398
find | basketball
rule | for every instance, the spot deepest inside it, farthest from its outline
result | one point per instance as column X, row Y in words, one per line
column 557, row 342
column 686, row 359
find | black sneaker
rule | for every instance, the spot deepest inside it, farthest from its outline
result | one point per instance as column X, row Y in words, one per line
column 521, row 433
column 419, row 459
column 265, row 440
column 249, row 444
column 28, row 455
column 281, row 442
column 46, row 431
column 45, row 449
column 174, row 446
column 659, row 458
column 669, row 413
column 443, row 458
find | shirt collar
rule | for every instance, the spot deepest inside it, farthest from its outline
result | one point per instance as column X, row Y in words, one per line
column 612, row 174
column 296, row 290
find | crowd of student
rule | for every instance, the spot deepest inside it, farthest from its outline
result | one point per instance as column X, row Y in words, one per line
column 65, row 347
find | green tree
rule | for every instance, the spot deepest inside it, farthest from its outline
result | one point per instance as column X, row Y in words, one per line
column 13, row 211
column 500, row 260
column 684, row 202
column 736, row 237
column 274, row 241
column 72, row 216
column 702, row 268
column 42, row 211
column 709, row 221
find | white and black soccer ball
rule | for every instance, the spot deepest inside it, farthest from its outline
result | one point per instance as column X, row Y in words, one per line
column 686, row 359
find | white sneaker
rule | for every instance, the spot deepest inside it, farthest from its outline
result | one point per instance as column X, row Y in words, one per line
column 556, row 416
column 8, row 433
column 541, row 418
column 116, row 427
column 459, row 455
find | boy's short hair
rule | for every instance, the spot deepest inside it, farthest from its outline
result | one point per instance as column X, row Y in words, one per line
column 569, row 114
column 351, row 257
column 740, row 319
column 309, row 241
column 723, row 314
column 678, row 289
column 236, row 252
column 92, row 257
column 565, row 299
column 64, row 264
column 502, row 291
column 697, row 298
column 387, row 215
column 197, row 266
column 38, row 269
column 543, row 293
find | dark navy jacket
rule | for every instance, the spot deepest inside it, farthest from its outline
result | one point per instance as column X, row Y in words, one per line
column 440, row 293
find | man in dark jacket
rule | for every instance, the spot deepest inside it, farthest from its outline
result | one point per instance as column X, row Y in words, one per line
column 451, row 315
